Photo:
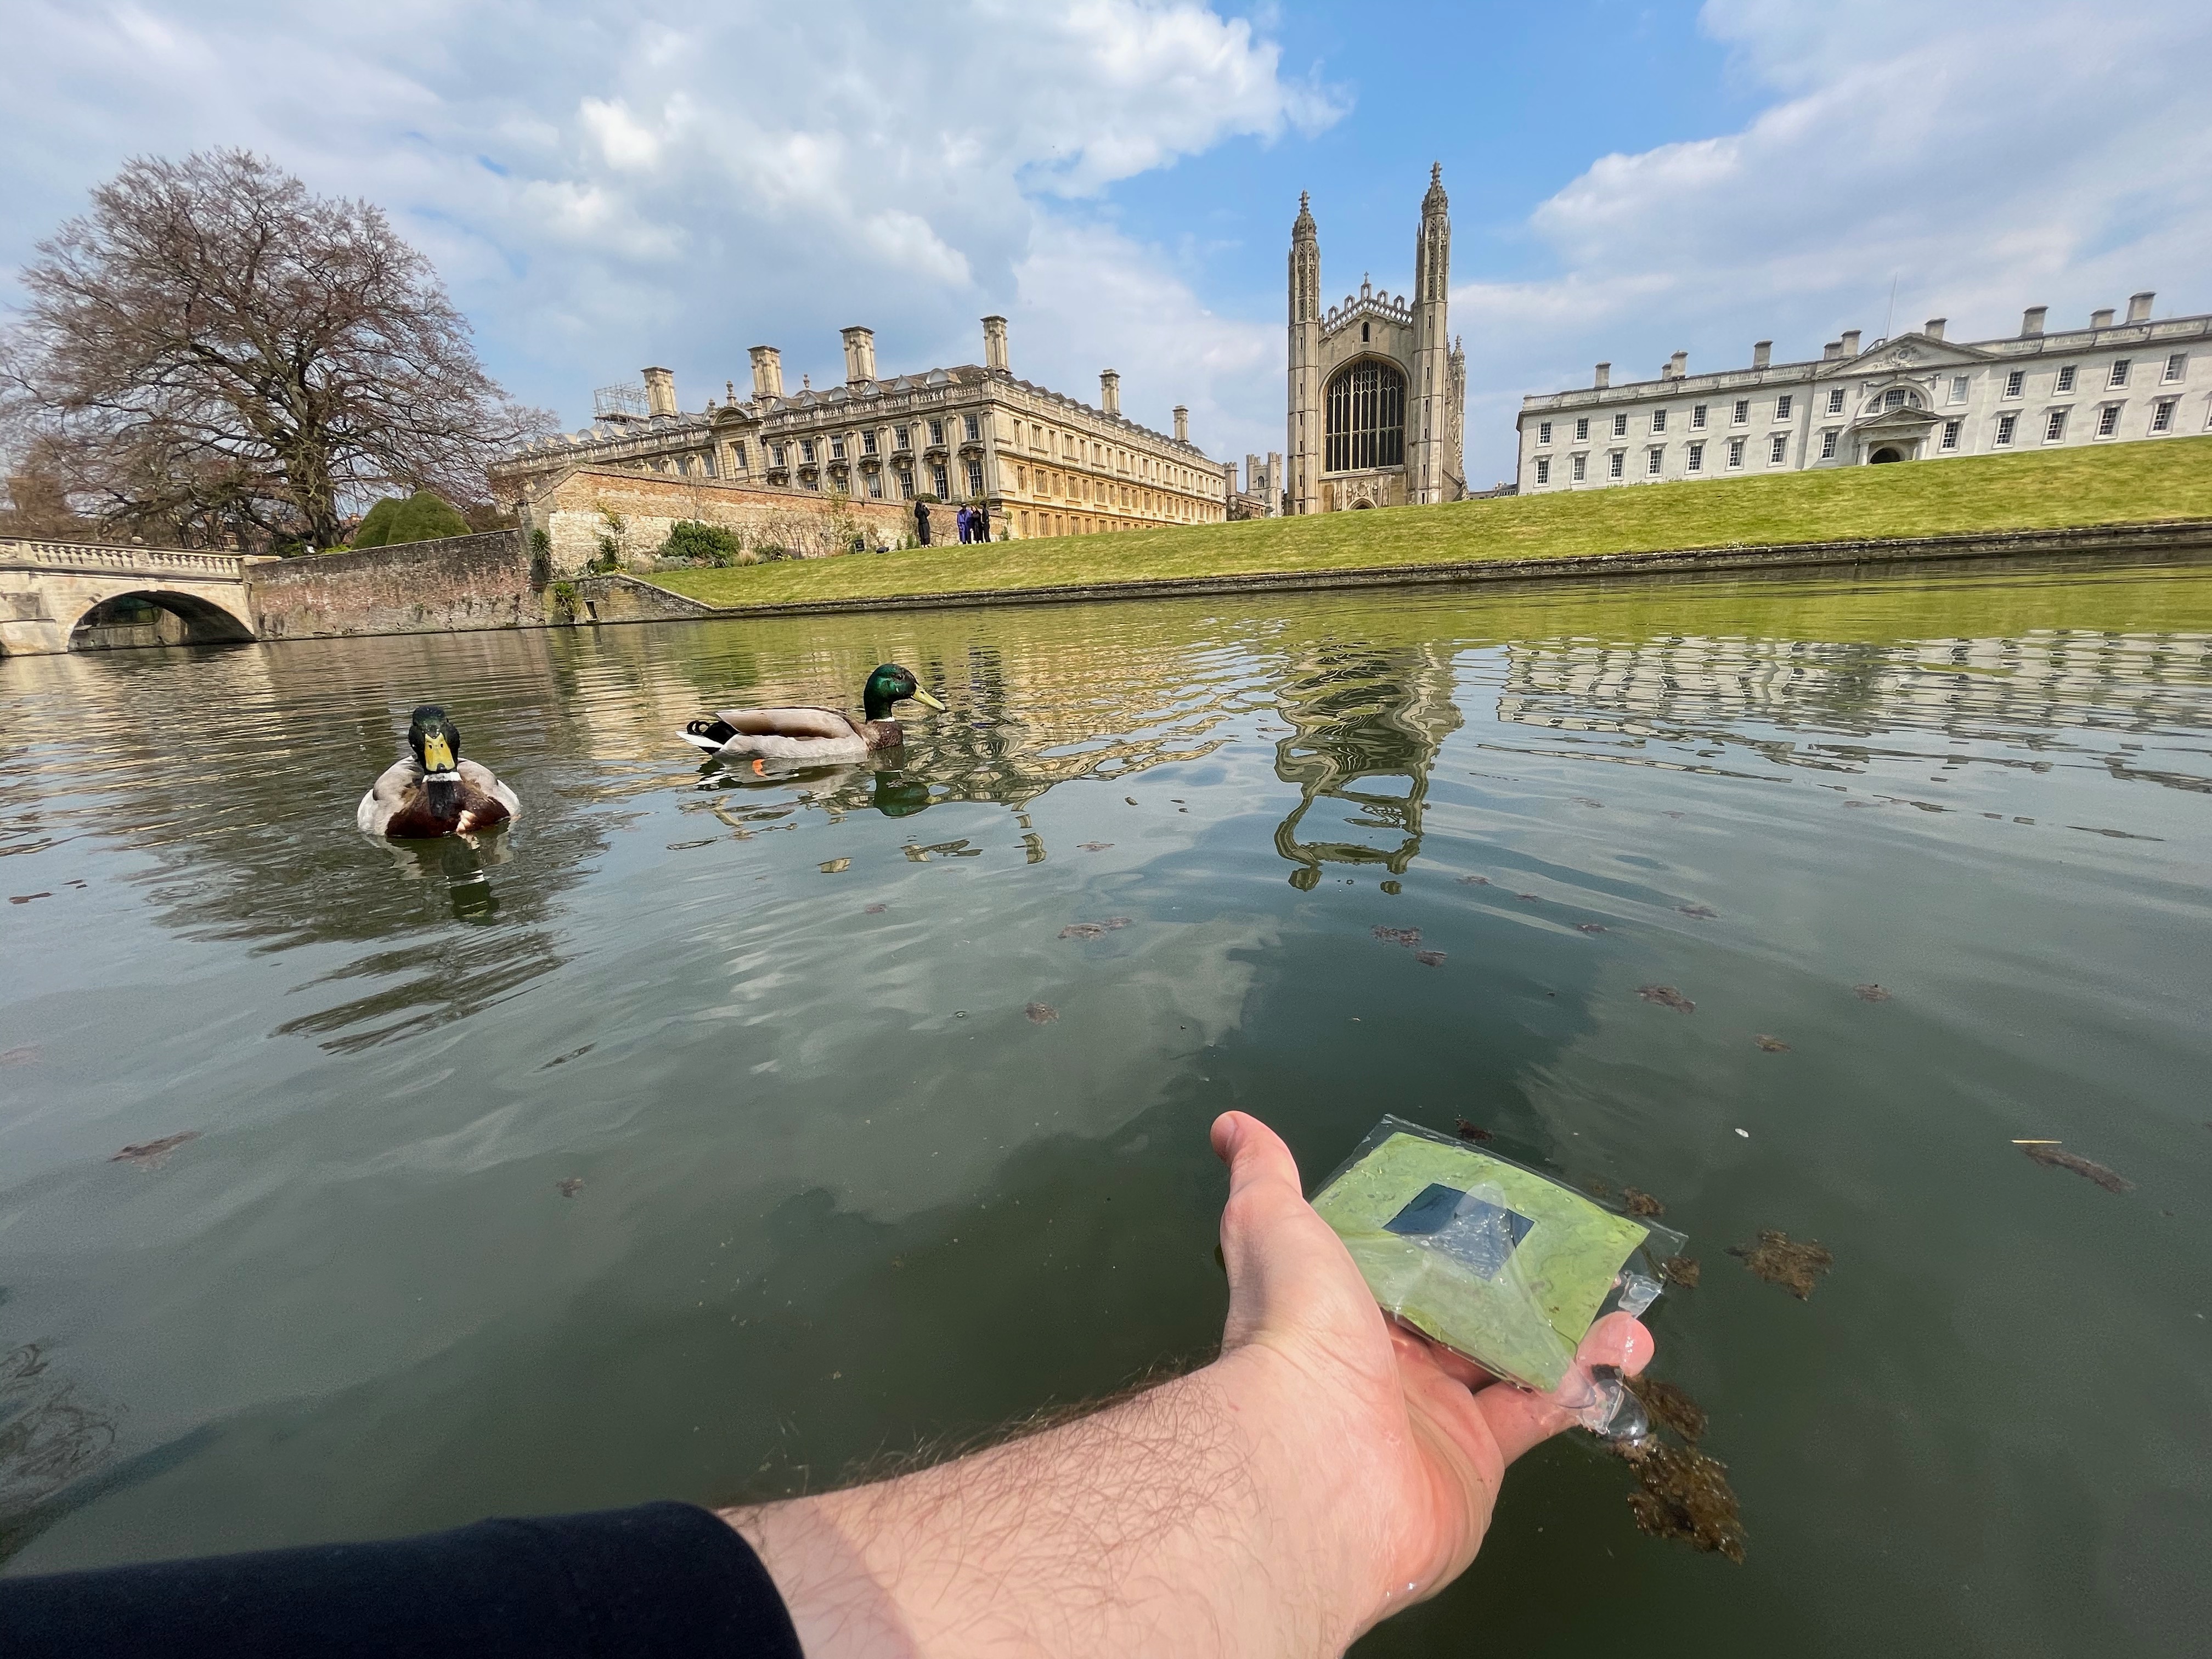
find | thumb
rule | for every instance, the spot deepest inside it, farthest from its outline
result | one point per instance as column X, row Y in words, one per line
column 1287, row 1268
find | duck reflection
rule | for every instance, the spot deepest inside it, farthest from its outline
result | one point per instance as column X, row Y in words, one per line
column 459, row 863
column 1368, row 726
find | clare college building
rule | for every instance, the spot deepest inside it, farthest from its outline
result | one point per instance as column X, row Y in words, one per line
column 1917, row 398
column 1038, row 462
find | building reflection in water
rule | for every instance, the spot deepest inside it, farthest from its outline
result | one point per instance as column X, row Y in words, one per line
column 1367, row 727
column 1824, row 704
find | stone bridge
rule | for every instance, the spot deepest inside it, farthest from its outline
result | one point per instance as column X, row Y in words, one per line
column 60, row 596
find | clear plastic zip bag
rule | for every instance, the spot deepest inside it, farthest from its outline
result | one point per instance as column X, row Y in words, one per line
column 1504, row 1265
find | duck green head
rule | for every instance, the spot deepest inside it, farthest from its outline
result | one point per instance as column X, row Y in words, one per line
column 435, row 738
column 890, row 684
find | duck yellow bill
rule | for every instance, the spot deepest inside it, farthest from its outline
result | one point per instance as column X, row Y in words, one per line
column 437, row 754
column 920, row 696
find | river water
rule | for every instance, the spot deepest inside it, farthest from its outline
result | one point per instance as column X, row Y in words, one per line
column 871, row 1155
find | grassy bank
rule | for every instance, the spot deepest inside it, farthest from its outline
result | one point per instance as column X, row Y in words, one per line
column 2124, row 484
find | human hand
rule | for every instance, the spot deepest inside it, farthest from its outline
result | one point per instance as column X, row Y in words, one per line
column 1326, row 1470
column 1398, row 1447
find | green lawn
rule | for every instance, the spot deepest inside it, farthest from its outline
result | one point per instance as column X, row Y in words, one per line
column 2124, row 484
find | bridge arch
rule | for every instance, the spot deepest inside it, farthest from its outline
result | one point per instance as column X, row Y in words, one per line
column 158, row 616
column 60, row 596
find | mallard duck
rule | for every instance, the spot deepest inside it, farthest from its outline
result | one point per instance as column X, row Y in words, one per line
column 434, row 792
column 822, row 735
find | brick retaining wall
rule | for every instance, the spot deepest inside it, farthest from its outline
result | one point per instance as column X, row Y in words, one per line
column 457, row 584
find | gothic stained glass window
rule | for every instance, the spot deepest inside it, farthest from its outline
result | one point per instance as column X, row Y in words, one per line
column 1366, row 418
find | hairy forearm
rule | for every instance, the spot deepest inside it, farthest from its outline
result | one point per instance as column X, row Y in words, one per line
column 1153, row 1526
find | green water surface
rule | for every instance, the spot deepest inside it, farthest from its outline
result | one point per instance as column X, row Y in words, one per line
column 871, row 1155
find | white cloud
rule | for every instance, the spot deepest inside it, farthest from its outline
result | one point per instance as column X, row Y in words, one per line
column 1985, row 156
column 668, row 183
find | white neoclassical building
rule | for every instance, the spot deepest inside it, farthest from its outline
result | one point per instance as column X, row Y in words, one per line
column 1918, row 397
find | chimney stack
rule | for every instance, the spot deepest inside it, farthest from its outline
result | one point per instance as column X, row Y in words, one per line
column 2030, row 321
column 1110, row 392
column 660, row 392
column 1830, row 351
column 2101, row 318
column 1933, row 328
column 1604, row 376
column 860, row 354
column 767, row 372
column 2139, row 306
column 1182, row 425
column 995, row 344
column 1850, row 343
column 1678, row 365
column 1762, row 353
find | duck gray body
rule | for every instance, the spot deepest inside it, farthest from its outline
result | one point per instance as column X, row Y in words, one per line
column 812, row 736
column 432, row 791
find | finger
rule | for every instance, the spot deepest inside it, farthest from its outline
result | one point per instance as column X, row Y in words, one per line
column 1255, row 1155
column 1519, row 1420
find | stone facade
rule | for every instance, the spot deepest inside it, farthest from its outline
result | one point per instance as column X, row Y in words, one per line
column 1918, row 397
column 589, row 510
column 1042, row 463
column 1377, row 385
column 65, row 596
column 456, row 584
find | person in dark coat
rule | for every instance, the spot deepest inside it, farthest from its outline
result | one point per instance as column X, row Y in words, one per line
column 921, row 521
column 983, row 521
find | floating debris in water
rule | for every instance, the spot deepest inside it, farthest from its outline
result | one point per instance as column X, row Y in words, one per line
column 1471, row 1132
column 1408, row 937
column 1681, row 1270
column 1597, row 1189
column 1700, row 911
column 51, row 1436
column 1093, row 929
column 155, row 1153
column 1093, row 845
column 1870, row 992
column 1685, row 1495
column 1474, row 881
column 1670, row 815
column 686, row 846
column 1589, row 928
column 1394, row 887
column 873, row 909
column 2052, row 1156
column 1666, row 997
column 835, row 866
column 25, row 898
column 1530, row 898
column 1041, row 1014
column 1637, row 1201
column 1772, row 1045
column 1584, row 801
column 28, row 1053
column 1746, row 1133
column 569, row 1187
column 573, row 1054
column 1670, row 1407
column 1796, row 1266
column 1430, row 958
column 1132, row 799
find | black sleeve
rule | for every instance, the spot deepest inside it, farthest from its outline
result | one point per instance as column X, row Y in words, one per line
column 661, row 1579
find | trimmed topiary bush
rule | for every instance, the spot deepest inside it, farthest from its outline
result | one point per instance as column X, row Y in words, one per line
column 375, row 529
column 708, row 543
column 424, row 516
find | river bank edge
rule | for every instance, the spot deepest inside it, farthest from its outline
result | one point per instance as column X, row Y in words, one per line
column 2155, row 537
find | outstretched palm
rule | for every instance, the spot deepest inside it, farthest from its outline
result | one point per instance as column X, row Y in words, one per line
column 1407, row 1442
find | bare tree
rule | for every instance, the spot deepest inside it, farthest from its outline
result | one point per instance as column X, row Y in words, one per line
column 214, row 352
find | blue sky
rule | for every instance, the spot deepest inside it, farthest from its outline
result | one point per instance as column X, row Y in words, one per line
column 672, row 181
